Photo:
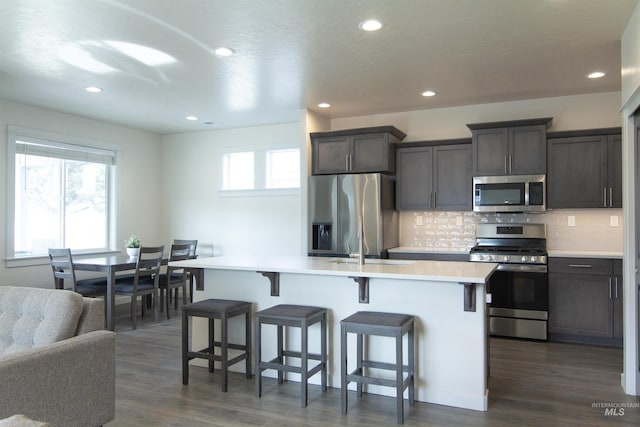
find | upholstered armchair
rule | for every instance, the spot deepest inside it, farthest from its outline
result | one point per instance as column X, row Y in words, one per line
column 57, row 365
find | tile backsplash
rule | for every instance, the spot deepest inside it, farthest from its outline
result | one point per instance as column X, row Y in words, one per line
column 591, row 229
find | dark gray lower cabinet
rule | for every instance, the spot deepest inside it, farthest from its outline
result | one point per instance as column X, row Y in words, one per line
column 585, row 300
column 434, row 177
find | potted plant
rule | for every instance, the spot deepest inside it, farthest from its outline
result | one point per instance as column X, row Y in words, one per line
column 133, row 245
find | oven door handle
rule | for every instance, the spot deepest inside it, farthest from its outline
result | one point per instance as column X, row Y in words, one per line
column 523, row 268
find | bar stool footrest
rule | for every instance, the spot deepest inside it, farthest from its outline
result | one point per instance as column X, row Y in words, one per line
column 203, row 354
column 383, row 365
column 353, row 377
column 289, row 368
column 313, row 356
column 241, row 347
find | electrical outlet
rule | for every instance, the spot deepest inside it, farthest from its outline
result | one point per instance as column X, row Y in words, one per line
column 613, row 220
column 571, row 221
column 419, row 220
column 458, row 220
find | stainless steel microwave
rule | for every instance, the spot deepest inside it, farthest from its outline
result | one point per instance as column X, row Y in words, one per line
column 510, row 193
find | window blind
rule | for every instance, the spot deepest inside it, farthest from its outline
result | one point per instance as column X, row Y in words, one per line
column 58, row 150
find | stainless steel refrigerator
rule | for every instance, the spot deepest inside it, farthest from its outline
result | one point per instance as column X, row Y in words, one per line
column 337, row 204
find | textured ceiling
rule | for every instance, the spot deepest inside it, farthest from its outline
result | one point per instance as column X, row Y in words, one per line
column 293, row 54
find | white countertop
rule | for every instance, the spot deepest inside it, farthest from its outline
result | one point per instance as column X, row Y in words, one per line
column 584, row 254
column 442, row 271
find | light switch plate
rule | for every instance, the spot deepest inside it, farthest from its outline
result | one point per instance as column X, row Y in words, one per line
column 571, row 221
column 613, row 220
column 458, row 220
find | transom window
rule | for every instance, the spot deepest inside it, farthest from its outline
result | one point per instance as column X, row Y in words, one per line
column 261, row 169
column 238, row 171
column 283, row 168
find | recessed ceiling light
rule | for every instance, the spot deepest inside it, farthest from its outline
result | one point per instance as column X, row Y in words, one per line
column 596, row 75
column 370, row 25
column 93, row 89
column 428, row 93
column 324, row 105
column 191, row 118
column 224, row 51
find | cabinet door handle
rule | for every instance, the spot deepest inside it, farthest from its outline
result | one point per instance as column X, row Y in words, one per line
column 610, row 197
column 510, row 164
column 435, row 199
column 580, row 265
column 604, row 198
column 505, row 165
column 346, row 162
column 349, row 162
column 616, row 279
column 609, row 287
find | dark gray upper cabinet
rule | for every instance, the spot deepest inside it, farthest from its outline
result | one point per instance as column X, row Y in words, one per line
column 414, row 178
column 434, row 177
column 585, row 300
column 355, row 150
column 510, row 148
column 585, row 169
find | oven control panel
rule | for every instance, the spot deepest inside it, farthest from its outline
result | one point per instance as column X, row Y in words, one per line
column 508, row 259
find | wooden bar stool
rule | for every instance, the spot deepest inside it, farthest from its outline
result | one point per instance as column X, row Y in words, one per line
column 365, row 323
column 302, row 317
column 216, row 309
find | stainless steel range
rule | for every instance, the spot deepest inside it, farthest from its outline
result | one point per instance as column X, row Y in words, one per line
column 519, row 288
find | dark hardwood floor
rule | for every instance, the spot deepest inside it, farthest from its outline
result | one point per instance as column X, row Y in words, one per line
column 532, row 384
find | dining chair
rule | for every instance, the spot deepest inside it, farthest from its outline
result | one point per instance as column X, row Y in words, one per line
column 64, row 275
column 145, row 281
column 193, row 244
column 175, row 278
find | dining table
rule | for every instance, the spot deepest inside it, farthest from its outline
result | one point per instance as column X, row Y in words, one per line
column 113, row 264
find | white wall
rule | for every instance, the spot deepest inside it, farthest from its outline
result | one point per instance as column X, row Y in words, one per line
column 194, row 208
column 138, row 174
column 569, row 112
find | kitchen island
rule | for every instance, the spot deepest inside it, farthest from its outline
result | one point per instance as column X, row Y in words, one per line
column 447, row 298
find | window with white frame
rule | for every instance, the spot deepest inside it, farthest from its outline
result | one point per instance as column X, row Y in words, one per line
column 62, row 196
column 283, row 168
column 238, row 171
column 261, row 169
